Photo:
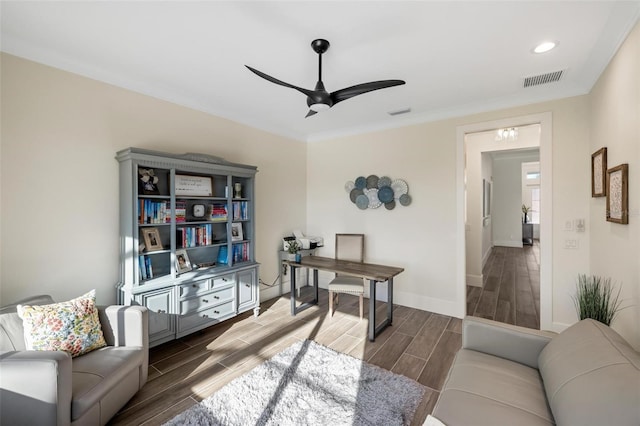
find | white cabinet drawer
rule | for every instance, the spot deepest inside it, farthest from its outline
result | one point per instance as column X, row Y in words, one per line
column 210, row 315
column 208, row 299
column 223, row 280
column 189, row 290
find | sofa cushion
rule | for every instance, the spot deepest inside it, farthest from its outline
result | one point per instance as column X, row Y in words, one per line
column 484, row 389
column 96, row 373
column 72, row 326
column 11, row 329
column 591, row 376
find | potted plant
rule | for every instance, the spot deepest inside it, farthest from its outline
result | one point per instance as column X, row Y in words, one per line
column 525, row 210
column 293, row 248
column 595, row 299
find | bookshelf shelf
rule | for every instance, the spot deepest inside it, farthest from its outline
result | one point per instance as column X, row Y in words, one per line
column 174, row 240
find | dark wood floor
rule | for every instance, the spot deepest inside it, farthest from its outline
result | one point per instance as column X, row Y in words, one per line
column 420, row 345
column 511, row 291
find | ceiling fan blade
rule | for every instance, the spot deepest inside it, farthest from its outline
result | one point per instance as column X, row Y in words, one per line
column 359, row 89
column 281, row 83
column 310, row 113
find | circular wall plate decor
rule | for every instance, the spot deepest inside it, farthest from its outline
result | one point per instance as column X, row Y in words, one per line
column 362, row 201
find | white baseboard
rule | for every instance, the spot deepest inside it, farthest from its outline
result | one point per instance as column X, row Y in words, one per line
column 517, row 244
column 430, row 304
column 474, row 280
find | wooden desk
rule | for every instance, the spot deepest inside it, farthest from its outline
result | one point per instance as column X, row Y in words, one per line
column 372, row 272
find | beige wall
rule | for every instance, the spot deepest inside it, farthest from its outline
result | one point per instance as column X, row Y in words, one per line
column 60, row 134
column 425, row 237
column 60, row 192
column 615, row 124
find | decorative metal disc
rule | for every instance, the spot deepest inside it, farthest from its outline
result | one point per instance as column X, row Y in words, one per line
column 354, row 194
column 362, row 201
column 390, row 205
column 361, row 182
column 349, row 186
column 372, row 181
column 385, row 194
column 384, row 181
column 405, row 199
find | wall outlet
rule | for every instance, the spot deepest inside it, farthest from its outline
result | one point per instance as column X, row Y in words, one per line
column 571, row 244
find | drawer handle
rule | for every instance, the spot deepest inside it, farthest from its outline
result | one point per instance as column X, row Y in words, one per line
column 205, row 316
column 194, row 286
column 162, row 311
column 216, row 297
column 224, row 279
column 205, row 301
column 247, row 285
column 216, row 312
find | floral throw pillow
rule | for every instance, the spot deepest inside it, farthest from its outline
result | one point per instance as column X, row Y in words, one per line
column 71, row 326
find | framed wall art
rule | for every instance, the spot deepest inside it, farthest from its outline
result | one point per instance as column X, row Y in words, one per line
column 152, row 239
column 197, row 186
column 599, row 173
column 618, row 194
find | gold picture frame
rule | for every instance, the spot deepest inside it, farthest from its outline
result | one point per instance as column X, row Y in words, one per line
column 152, row 240
column 618, row 194
column 599, row 173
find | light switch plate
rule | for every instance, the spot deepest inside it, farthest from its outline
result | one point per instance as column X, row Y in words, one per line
column 568, row 225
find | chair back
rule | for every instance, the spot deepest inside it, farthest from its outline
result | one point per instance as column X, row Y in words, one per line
column 350, row 247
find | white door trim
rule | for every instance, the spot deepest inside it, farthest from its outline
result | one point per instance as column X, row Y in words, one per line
column 545, row 120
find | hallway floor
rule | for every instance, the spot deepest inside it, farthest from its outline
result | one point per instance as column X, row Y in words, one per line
column 511, row 292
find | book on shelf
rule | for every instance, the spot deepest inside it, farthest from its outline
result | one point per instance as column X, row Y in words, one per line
column 181, row 211
column 194, row 236
column 219, row 212
column 152, row 212
column 145, row 270
column 240, row 210
column 240, row 252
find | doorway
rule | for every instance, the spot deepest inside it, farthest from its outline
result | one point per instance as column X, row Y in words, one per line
column 538, row 254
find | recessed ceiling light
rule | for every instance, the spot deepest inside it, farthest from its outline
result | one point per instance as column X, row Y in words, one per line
column 545, row 47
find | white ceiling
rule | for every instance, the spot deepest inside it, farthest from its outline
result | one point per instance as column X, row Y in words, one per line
column 457, row 57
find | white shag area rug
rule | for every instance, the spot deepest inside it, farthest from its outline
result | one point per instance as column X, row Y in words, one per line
column 310, row 384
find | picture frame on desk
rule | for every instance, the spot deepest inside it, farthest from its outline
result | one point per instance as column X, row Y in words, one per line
column 236, row 232
column 183, row 264
column 152, row 240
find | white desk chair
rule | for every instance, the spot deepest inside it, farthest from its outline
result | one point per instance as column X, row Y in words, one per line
column 349, row 247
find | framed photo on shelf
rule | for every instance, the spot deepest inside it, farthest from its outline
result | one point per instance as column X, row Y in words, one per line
column 147, row 182
column 196, row 186
column 183, row 264
column 152, row 239
column 236, row 232
column 599, row 173
column 618, row 194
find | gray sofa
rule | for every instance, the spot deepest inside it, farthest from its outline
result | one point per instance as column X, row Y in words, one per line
column 51, row 388
column 508, row 375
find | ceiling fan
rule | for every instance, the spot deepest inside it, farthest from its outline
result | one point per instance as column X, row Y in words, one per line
column 319, row 99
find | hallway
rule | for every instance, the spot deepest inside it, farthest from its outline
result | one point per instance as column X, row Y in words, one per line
column 511, row 292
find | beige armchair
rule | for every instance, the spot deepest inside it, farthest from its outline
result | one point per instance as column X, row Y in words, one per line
column 51, row 388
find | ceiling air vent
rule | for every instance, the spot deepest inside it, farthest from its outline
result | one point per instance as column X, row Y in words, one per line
column 537, row 80
column 400, row 111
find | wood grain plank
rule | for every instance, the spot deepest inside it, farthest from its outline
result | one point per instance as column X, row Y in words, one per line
column 437, row 368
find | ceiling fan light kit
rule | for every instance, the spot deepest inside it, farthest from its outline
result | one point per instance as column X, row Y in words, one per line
column 319, row 99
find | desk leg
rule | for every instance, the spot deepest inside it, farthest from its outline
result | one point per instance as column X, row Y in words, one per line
column 373, row 330
column 295, row 309
column 293, row 289
column 372, row 310
column 316, row 285
column 390, row 301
